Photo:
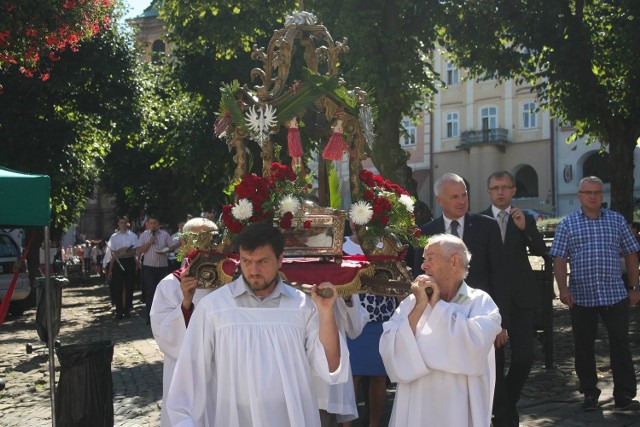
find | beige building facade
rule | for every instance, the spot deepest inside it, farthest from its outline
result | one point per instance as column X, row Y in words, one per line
column 150, row 34
column 481, row 127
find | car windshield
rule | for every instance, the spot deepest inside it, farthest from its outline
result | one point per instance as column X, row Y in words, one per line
column 7, row 247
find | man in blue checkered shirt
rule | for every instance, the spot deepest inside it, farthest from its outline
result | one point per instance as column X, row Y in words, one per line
column 593, row 240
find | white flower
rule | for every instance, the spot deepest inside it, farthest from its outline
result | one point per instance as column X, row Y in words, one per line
column 407, row 201
column 242, row 210
column 289, row 204
column 361, row 212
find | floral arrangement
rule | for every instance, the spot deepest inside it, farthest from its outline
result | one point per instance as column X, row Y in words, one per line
column 385, row 208
column 34, row 33
column 277, row 198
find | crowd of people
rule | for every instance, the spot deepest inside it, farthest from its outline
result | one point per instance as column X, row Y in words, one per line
column 257, row 352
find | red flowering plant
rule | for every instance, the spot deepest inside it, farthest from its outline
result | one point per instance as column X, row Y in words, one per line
column 385, row 208
column 277, row 198
column 34, row 32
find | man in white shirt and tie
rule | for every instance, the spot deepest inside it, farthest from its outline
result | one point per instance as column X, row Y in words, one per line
column 520, row 238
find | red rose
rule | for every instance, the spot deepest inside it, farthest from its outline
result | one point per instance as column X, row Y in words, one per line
column 369, row 195
column 307, row 225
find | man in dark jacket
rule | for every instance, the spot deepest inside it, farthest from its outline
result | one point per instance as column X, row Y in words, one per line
column 520, row 238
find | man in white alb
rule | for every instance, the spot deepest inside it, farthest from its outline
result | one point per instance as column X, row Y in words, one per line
column 173, row 303
column 439, row 348
column 252, row 346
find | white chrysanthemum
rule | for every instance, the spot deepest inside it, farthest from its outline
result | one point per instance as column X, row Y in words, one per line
column 289, row 204
column 242, row 210
column 360, row 212
column 407, row 201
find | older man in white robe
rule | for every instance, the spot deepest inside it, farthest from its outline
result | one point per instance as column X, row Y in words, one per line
column 173, row 303
column 438, row 346
column 252, row 346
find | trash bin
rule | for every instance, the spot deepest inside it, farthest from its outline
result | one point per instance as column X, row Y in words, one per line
column 57, row 282
column 84, row 396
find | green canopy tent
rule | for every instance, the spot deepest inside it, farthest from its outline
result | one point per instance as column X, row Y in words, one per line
column 25, row 202
column 24, row 199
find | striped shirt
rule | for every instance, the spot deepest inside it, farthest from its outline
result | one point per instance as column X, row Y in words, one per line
column 153, row 257
column 593, row 248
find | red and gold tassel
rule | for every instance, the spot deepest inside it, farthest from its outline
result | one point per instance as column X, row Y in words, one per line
column 293, row 140
column 336, row 145
column 294, row 145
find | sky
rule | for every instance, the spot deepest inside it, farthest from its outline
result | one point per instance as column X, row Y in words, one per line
column 137, row 7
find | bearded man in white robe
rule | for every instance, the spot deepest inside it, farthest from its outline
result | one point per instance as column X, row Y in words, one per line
column 173, row 303
column 252, row 346
column 438, row 346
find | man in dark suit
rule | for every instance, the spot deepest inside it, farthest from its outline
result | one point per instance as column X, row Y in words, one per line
column 481, row 234
column 519, row 232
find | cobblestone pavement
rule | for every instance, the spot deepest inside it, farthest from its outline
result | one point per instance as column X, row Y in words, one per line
column 86, row 317
column 550, row 396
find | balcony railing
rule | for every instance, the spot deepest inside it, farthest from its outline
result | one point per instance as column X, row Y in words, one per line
column 475, row 138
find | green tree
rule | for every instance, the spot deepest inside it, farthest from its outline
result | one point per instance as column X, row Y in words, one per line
column 213, row 40
column 64, row 127
column 172, row 166
column 582, row 57
column 389, row 44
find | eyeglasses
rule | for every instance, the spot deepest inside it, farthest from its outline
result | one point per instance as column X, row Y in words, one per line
column 503, row 188
column 591, row 193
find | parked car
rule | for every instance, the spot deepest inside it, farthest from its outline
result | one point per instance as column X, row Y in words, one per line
column 9, row 262
column 539, row 216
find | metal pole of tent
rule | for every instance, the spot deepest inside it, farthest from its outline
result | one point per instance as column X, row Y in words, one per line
column 47, row 288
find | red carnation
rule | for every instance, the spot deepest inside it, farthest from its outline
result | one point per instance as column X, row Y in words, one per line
column 286, row 223
column 307, row 225
column 398, row 190
column 235, row 227
column 378, row 181
column 369, row 195
column 384, row 220
column 381, row 205
column 366, row 177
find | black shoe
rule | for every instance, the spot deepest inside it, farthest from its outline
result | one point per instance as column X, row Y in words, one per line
column 590, row 401
column 506, row 421
column 515, row 416
column 627, row 404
